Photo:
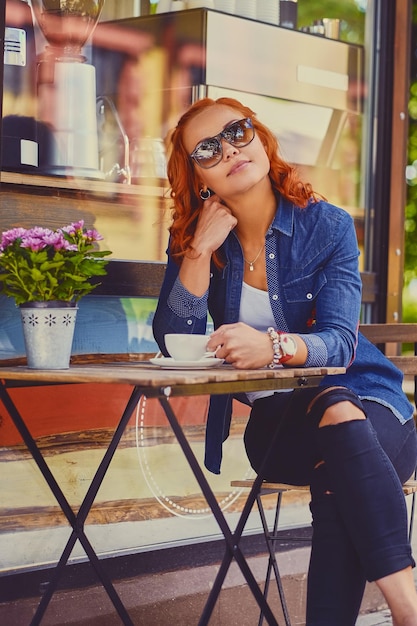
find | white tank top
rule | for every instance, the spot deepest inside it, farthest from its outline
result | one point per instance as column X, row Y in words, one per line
column 255, row 310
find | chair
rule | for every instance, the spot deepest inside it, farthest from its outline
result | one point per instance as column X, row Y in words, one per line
column 381, row 335
column 272, row 536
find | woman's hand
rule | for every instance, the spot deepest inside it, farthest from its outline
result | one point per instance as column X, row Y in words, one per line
column 214, row 224
column 241, row 345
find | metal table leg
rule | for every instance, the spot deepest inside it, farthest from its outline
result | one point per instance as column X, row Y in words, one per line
column 76, row 521
column 232, row 539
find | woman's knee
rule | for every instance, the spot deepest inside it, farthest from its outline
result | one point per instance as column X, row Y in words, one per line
column 341, row 412
column 335, row 405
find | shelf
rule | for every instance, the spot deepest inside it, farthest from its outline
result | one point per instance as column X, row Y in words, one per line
column 89, row 186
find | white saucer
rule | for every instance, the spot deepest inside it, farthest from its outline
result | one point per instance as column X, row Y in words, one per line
column 172, row 364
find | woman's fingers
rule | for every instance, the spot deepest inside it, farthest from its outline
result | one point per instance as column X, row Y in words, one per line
column 214, row 224
column 241, row 345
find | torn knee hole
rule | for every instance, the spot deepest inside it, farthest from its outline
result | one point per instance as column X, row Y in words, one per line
column 320, row 395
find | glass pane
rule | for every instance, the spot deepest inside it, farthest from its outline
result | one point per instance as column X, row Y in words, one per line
column 97, row 117
column 85, row 135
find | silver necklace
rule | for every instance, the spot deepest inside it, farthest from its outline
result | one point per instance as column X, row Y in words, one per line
column 251, row 263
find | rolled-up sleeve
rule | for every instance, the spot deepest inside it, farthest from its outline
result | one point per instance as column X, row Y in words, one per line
column 183, row 303
column 316, row 351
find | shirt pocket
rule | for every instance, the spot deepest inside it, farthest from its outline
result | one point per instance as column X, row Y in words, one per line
column 304, row 290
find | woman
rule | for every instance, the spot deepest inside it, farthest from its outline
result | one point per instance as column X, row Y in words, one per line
column 277, row 268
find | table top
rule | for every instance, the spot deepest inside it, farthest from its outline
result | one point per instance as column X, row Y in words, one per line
column 153, row 379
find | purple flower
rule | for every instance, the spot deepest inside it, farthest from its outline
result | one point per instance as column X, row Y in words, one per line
column 58, row 241
column 74, row 228
column 72, row 247
column 39, row 233
column 33, row 243
column 43, row 264
column 10, row 236
column 37, row 238
column 93, row 235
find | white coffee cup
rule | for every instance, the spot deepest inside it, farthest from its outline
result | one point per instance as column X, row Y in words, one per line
column 184, row 347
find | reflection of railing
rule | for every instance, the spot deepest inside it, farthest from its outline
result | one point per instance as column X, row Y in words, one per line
column 186, row 501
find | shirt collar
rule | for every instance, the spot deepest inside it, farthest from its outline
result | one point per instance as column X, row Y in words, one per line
column 284, row 217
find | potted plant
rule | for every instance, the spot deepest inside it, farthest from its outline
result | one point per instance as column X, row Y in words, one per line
column 46, row 272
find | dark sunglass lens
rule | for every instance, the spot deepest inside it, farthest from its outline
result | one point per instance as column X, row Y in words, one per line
column 240, row 133
column 208, row 152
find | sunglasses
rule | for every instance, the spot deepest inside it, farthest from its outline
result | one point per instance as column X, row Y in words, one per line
column 209, row 152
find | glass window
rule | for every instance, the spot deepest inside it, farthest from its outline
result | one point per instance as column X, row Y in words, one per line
column 87, row 114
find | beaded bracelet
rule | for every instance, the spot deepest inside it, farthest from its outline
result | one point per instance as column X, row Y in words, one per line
column 276, row 346
column 283, row 351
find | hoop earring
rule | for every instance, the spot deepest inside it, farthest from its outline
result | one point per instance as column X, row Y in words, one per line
column 205, row 194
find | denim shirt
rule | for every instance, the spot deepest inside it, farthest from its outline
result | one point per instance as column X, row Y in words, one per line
column 314, row 288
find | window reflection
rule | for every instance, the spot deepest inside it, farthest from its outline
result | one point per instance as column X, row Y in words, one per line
column 147, row 72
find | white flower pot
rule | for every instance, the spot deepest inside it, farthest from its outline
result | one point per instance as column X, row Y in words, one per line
column 48, row 331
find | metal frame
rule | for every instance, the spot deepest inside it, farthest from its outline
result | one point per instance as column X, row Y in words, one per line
column 19, row 377
column 76, row 520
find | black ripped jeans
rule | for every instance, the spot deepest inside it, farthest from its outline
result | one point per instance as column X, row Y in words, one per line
column 357, row 503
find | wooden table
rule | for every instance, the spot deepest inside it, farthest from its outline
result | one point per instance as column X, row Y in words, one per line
column 152, row 381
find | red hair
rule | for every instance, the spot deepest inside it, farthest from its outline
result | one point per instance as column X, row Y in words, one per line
column 185, row 184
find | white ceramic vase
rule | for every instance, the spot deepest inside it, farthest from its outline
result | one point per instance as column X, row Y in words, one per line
column 48, row 331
